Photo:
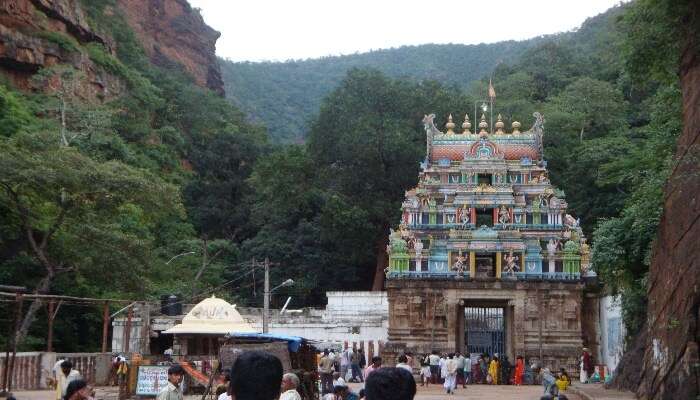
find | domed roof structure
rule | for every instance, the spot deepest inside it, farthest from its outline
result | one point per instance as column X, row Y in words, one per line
column 212, row 316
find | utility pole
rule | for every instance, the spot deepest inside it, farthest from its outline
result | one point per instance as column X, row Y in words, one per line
column 127, row 331
column 49, row 340
column 266, row 304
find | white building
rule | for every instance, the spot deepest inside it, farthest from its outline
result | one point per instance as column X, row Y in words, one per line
column 355, row 318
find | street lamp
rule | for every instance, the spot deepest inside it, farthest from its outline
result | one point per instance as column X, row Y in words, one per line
column 268, row 292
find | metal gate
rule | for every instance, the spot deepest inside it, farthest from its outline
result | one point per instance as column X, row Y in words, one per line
column 484, row 330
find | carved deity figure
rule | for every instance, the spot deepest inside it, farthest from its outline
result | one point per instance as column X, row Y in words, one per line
column 570, row 222
column 418, row 247
column 460, row 264
column 511, row 265
column 499, row 179
column 503, row 215
column 466, row 212
column 552, row 247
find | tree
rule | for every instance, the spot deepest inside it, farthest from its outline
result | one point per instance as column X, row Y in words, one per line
column 79, row 216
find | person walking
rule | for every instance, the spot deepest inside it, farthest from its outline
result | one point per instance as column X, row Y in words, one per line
column 433, row 360
column 325, row 369
column 461, row 362
column 425, row 372
column 450, row 370
column 494, row 370
column 78, row 390
column 519, row 370
column 65, row 377
column 467, row 370
column 345, row 362
column 586, row 365
column 506, row 369
column 173, row 391
column 355, row 366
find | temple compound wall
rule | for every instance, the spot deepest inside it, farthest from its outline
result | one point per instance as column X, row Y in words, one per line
column 486, row 258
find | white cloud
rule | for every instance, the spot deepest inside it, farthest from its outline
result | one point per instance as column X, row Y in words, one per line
column 292, row 29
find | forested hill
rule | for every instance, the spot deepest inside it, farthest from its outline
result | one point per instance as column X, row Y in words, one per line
column 285, row 96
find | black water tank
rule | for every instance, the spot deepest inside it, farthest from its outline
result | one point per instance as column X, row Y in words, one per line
column 173, row 306
column 164, row 304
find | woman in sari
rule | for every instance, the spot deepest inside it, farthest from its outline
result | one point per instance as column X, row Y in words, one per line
column 494, row 370
column 519, row 370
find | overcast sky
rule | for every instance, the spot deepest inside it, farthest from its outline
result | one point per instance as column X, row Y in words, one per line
column 279, row 30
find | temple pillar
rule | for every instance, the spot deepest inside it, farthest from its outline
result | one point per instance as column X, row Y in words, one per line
column 498, row 265
column 495, row 216
column 472, row 211
column 472, row 264
column 522, row 262
column 552, row 266
column 419, row 267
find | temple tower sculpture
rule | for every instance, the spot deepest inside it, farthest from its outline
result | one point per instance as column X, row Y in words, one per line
column 486, row 257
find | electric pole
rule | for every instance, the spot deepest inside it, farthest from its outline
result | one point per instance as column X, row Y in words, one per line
column 266, row 301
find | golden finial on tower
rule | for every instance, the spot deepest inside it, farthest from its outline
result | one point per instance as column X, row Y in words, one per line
column 466, row 125
column 450, row 126
column 516, row 127
column 483, row 125
column 499, row 125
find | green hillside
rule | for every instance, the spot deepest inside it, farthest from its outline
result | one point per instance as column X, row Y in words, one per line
column 284, row 96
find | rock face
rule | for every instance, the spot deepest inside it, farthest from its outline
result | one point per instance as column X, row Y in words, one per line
column 172, row 32
column 671, row 358
column 35, row 34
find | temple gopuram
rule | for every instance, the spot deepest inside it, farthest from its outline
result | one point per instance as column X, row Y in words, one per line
column 486, row 258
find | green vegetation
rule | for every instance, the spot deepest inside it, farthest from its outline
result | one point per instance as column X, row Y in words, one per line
column 64, row 41
column 98, row 197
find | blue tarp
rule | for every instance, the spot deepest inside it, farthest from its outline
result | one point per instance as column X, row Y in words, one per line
column 293, row 342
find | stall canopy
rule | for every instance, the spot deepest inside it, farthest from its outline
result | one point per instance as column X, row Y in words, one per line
column 212, row 316
column 293, row 342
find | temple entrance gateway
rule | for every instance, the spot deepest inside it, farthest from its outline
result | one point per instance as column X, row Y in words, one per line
column 484, row 330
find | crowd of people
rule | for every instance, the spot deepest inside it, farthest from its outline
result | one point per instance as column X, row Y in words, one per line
column 257, row 375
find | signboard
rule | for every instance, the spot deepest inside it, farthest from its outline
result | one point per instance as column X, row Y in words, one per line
column 151, row 380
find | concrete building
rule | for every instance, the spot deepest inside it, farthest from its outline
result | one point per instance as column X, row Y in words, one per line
column 355, row 318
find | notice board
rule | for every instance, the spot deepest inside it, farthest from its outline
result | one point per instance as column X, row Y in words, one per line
column 151, row 379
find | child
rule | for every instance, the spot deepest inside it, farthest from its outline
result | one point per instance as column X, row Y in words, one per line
column 563, row 380
column 424, row 373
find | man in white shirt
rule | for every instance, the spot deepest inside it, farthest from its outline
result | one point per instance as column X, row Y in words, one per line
column 461, row 362
column 173, row 391
column 403, row 363
column 66, row 376
column 290, row 383
column 434, row 361
column 345, row 361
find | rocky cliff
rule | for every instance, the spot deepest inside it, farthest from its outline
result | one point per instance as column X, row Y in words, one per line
column 172, row 32
column 671, row 361
column 35, row 34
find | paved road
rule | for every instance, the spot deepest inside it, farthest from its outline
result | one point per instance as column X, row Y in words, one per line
column 434, row 392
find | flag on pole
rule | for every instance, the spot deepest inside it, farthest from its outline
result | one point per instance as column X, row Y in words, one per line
column 492, row 91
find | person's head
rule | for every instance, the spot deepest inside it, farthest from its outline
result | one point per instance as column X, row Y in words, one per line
column 340, row 391
column 519, row 357
column 376, row 361
column 325, row 352
column 66, row 366
column 336, row 375
column 290, row 381
column 256, row 375
column 361, row 394
column 175, row 374
column 562, row 372
column 390, row 384
column 77, row 390
column 403, row 358
column 434, row 352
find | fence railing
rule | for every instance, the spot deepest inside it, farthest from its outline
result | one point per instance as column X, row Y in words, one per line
column 33, row 370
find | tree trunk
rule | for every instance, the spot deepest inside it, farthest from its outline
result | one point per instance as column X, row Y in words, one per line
column 28, row 319
column 381, row 262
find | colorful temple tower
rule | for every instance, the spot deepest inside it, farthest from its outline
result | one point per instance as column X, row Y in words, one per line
column 486, row 258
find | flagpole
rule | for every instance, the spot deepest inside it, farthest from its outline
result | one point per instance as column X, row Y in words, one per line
column 492, row 93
